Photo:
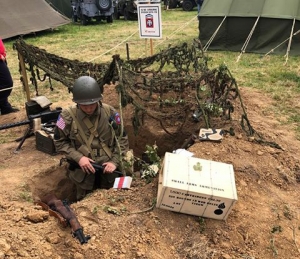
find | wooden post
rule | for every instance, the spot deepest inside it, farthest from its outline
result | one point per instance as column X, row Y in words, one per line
column 24, row 76
column 151, row 47
column 127, row 51
column 151, row 41
column 146, row 47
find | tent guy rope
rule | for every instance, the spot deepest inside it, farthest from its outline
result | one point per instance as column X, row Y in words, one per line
column 247, row 40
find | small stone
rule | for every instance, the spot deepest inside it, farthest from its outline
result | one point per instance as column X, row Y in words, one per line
column 251, row 139
column 239, row 136
column 4, row 246
column 226, row 256
column 260, row 153
column 78, row 256
column 37, row 216
column 53, row 238
column 243, row 183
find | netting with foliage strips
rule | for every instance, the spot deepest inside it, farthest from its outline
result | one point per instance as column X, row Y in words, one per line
column 166, row 87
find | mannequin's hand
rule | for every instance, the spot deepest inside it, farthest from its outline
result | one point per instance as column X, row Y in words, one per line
column 109, row 167
column 85, row 164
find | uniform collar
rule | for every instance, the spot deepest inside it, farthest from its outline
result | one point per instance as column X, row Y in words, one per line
column 81, row 115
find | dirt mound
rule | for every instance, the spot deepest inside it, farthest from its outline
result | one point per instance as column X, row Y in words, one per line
column 126, row 224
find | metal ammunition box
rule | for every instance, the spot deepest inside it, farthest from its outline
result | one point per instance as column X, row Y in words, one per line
column 44, row 142
column 33, row 108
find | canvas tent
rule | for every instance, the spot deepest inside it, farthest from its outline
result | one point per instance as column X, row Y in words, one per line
column 258, row 26
column 19, row 17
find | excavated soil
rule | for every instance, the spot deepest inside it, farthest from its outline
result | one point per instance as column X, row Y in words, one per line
column 264, row 222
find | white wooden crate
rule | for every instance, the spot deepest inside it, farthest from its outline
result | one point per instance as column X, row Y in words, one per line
column 196, row 186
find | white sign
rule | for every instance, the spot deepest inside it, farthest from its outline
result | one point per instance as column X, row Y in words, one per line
column 150, row 20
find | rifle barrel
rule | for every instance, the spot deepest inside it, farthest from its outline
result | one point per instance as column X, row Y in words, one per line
column 15, row 124
column 45, row 117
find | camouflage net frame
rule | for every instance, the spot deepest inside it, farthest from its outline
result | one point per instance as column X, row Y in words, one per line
column 167, row 86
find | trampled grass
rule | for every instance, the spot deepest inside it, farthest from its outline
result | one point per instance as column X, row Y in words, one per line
column 99, row 41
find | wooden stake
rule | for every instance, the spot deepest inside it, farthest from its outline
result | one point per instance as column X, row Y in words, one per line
column 146, row 47
column 151, row 47
column 24, row 76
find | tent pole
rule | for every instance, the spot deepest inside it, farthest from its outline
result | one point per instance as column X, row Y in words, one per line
column 290, row 42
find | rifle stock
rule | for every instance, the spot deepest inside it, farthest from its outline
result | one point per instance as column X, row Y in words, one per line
column 68, row 214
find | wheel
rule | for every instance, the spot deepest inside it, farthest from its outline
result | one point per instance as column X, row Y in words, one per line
column 103, row 5
column 126, row 14
column 172, row 4
column 83, row 20
column 109, row 19
column 116, row 15
column 74, row 18
column 187, row 5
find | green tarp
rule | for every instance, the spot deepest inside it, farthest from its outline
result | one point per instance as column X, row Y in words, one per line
column 62, row 6
column 260, row 26
column 21, row 17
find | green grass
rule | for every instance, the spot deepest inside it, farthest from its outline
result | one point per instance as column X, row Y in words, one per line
column 99, row 41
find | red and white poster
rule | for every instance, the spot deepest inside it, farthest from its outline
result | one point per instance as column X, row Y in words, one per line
column 150, row 20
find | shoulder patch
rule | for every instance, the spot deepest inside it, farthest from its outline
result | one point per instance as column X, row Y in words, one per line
column 117, row 118
column 60, row 123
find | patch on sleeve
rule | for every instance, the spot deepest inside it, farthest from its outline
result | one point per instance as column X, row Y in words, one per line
column 60, row 122
column 117, row 118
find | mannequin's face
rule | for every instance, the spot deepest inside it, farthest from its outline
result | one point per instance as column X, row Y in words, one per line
column 88, row 109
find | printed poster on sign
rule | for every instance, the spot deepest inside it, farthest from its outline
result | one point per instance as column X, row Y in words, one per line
column 150, row 20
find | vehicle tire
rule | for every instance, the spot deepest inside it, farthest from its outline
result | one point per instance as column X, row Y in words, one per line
column 83, row 20
column 103, row 5
column 188, row 5
column 172, row 4
column 116, row 15
column 74, row 18
column 126, row 14
column 109, row 19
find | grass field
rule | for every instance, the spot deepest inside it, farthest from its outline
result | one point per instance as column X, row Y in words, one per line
column 98, row 41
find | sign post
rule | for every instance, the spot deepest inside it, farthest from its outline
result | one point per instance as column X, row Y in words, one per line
column 149, row 17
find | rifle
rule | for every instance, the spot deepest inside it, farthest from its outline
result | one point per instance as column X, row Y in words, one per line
column 46, row 117
column 62, row 211
column 73, row 165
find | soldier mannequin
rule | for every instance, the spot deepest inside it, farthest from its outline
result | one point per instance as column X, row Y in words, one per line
column 87, row 132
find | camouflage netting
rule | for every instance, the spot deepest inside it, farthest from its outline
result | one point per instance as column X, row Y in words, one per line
column 167, row 87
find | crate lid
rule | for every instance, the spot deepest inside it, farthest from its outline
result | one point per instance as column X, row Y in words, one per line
column 198, row 175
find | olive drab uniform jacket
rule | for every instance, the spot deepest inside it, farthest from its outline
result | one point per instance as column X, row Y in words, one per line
column 78, row 134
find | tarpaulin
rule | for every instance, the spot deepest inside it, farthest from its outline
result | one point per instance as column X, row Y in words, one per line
column 20, row 17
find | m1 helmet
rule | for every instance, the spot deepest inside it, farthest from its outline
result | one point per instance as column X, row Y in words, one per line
column 86, row 91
